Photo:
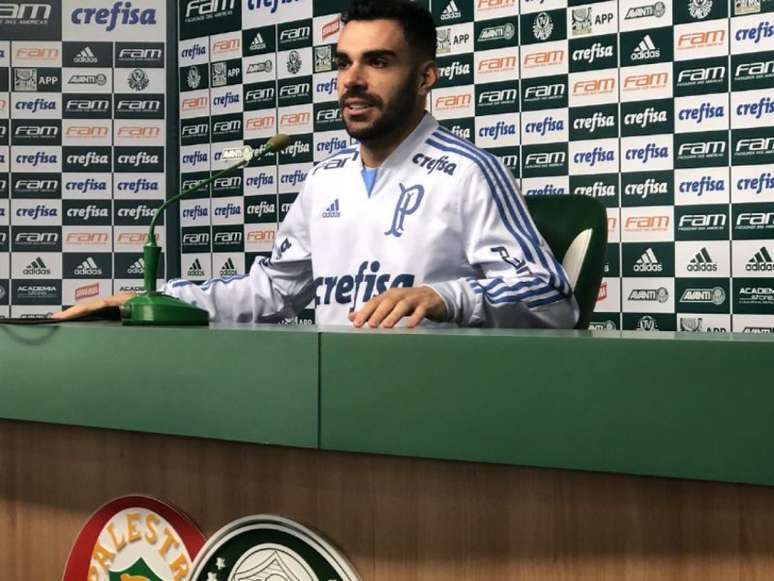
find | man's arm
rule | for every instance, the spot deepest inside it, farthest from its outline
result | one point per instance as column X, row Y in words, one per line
column 273, row 289
column 517, row 281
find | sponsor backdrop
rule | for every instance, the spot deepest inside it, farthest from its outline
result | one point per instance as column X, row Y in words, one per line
column 82, row 147
column 664, row 111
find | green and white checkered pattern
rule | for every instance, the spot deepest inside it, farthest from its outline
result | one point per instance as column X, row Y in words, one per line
column 662, row 111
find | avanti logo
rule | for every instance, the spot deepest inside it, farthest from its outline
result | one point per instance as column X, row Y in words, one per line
column 659, row 294
column 120, row 13
column 708, row 296
column 656, row 10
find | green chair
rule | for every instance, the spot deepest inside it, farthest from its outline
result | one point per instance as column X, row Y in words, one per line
column 575, row 228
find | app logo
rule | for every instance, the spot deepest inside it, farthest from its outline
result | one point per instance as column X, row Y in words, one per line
column 581, row 21
column 323, row 59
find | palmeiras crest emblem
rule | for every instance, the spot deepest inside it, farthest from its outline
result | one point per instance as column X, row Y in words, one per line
column 543, row 26
column 408, row 203
column 294, row 62
column 270, row 548
column 134, row 538
column 699, row 9
column 194, row 78
column 138, row 80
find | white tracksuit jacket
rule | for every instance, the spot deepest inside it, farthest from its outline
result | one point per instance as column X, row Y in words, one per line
column 442, row 213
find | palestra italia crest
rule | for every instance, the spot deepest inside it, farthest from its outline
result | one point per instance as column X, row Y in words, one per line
column 270, row 548
column 135, row 538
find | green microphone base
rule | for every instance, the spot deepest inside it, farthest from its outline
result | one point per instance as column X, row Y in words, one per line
column 155, row 308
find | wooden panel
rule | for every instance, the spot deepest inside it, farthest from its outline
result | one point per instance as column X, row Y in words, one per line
column 396, row 518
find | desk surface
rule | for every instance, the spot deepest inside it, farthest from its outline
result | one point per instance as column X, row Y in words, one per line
column 667, row 404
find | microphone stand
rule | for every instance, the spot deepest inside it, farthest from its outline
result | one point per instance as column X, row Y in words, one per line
column 152, row 307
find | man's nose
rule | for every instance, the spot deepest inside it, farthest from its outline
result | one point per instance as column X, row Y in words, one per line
column 353, row 76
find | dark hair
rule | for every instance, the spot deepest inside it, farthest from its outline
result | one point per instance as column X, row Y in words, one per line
column 416, row 22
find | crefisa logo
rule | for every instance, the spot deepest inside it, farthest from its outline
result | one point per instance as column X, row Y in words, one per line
column 270, row 547
column 134, row 537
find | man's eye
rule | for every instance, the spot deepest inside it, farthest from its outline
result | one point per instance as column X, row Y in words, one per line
column 379, row 63
column 341, row 64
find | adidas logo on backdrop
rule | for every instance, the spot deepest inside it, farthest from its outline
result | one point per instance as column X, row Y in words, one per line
column 228, row 268
column 451, row 12
column 85, row 56
column 702, row 262
column 760, row 262
column 648, row 262
column 646, row 50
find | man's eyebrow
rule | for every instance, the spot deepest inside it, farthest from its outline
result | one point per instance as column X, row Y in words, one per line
column 381, row 53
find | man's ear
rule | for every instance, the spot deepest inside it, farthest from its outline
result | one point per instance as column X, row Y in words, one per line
column 428, row 77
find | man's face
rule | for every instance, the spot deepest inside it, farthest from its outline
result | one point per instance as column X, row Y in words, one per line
column 378, row 79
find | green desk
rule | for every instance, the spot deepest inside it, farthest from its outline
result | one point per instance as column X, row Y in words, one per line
column 669, row 404
column 240, row 419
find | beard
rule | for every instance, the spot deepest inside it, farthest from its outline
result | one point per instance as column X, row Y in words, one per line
column 394, row 114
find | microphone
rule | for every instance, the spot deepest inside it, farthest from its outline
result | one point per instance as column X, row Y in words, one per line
column 154, row 308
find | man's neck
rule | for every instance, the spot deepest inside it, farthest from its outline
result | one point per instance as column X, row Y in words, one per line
column 373, row 153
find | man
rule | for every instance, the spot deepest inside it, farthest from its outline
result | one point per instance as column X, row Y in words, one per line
column 415, row 224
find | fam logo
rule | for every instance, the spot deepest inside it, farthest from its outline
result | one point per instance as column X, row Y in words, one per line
column 269, row 547
column 149, row 538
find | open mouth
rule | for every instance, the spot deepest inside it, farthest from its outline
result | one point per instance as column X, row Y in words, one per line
column 358, row 107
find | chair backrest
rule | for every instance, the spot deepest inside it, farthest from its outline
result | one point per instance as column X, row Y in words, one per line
column 575, row 228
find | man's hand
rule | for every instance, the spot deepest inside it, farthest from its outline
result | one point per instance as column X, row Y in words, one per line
column 89, row 307
column 390, row 307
